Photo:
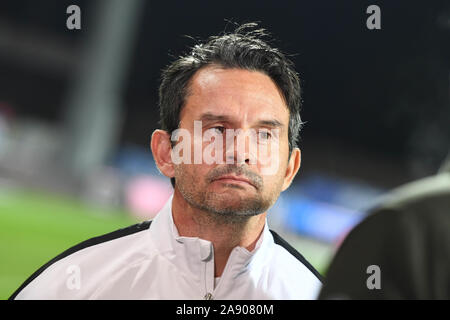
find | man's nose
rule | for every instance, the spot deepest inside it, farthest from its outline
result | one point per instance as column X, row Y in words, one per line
column 237, row 158
column 239, row 148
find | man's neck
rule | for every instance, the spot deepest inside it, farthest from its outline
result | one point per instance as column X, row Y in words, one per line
column 223, row 233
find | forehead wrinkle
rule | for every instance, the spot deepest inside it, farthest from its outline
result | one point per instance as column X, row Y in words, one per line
column 211, row 79
column 209, row 83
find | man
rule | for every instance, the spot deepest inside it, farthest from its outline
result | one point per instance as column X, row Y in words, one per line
column 401, row 250
column 211, row 240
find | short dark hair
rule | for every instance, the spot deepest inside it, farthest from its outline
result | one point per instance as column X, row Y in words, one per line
column 244, row 48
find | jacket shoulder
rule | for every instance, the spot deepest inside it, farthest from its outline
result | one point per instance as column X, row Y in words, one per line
column 297, row 255
column 83, row 245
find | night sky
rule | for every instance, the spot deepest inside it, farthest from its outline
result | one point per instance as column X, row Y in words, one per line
column 382, row 90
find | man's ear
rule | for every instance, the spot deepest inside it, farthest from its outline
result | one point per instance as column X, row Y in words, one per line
column 161, row 149
column 292, row 168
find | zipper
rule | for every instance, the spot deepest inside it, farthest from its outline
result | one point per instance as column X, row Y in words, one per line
column 208, row 296
column 224, row 274
column 208, row 272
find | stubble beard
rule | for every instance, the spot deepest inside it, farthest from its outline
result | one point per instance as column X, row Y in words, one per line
column 226, row 208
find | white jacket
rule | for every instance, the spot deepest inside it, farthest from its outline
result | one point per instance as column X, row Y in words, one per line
column 151, row 261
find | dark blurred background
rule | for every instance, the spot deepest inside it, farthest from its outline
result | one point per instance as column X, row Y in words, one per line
column 77, row 107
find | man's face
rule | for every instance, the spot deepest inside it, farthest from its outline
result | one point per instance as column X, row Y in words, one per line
column 234, row 99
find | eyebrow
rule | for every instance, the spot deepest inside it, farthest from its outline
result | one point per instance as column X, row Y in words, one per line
column 274, row 123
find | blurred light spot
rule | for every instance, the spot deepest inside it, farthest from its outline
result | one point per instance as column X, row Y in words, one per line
column 146, row 195
column 319, row 220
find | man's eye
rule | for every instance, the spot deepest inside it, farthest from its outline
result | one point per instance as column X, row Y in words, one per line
column 218, row 129
column 264, row 135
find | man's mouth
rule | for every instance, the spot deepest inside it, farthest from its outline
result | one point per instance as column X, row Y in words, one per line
column 234, row 179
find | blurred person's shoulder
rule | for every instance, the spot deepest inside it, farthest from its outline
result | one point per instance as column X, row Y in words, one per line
column 430, row 189
column 79, row 271
column 406, row 239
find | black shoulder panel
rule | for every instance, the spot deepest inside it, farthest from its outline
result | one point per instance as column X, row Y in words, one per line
column 280, row 241
column 85, row 244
